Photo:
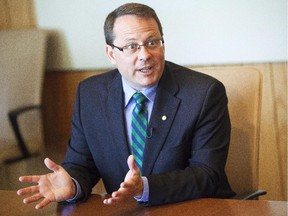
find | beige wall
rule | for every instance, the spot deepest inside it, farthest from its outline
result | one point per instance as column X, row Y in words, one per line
column 59, row 90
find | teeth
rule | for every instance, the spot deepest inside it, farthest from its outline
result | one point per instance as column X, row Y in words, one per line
column 145, row 69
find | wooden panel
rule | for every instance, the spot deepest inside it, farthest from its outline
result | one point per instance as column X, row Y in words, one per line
column 58, row 98
column 22, row 14
column 17, row 14
column 273, row 132
column 5, row 19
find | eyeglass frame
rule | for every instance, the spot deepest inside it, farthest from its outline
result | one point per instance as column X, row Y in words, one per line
column 161, row 40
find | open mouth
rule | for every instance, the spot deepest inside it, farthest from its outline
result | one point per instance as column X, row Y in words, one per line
column 145, row 69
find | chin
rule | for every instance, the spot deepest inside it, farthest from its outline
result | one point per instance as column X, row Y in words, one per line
column 148, row 84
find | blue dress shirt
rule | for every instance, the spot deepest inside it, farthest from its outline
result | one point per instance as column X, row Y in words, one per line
column 129, row 105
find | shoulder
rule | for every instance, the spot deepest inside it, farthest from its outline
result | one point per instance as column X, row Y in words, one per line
column 99, row 85
column 100, row 82
column 100, row 79
column 189, row 78
column 182, row 72
column 193, row 87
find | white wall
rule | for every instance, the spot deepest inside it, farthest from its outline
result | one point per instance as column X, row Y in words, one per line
column 196, row 32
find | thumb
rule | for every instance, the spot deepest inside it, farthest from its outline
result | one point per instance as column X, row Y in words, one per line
column 132, row 165
column 51, row 165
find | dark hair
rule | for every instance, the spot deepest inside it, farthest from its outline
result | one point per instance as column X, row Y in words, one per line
column 136, row 9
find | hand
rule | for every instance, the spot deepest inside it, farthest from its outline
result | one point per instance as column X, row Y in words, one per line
column 132, row 185
column 53, row 187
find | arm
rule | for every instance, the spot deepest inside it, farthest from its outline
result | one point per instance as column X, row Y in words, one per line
column 202, row 145
column 79, row 162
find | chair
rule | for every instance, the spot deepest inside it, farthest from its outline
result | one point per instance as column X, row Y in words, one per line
column 22, row 58
column 243, row 87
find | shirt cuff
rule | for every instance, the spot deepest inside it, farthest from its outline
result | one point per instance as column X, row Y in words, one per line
column 78, row 191
column 145, row 195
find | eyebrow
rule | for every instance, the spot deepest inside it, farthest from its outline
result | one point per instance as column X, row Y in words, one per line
column 133, row 40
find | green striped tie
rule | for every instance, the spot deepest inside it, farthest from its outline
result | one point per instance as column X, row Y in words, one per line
column 139, row 126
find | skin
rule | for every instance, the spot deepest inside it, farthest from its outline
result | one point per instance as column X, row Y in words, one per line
column 132, row 185
column 132, row 29
column 140, row 70
column 58, row 185
column 53, row 187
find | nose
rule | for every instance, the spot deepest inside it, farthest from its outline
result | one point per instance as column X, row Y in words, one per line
column 143, row 53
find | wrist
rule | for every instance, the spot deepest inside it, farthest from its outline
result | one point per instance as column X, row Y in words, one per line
column 74, row 189
column 139, row 192
column 144, row 197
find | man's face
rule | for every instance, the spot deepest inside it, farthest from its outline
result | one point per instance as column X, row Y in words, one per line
column 145, row 67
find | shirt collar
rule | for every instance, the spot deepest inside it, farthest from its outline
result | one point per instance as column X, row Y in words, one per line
column 150, row 92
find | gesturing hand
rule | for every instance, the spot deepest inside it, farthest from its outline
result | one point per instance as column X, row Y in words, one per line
column 53, row 187
column 132, row 185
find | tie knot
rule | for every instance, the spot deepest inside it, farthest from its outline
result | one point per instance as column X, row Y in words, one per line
column 139, row 98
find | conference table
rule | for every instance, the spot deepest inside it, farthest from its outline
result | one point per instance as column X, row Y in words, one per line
column 11, row 204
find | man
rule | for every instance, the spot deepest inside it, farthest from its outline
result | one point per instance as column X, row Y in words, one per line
column 184, row 130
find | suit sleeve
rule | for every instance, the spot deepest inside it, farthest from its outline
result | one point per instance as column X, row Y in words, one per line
column 204, row 175
column 79, row 161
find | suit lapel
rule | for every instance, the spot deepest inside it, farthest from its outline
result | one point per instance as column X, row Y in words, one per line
column 116, row 121
column 164, row 111
column 163, row 114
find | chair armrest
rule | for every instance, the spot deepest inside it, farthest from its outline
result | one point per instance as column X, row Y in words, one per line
column 13, row 115
column 251, row 196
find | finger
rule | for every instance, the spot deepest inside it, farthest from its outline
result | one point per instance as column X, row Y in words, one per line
column 115, row 194
column 107, row 201
column 28, row 190
column 122, row 193
column 33, row 198
column 51, row 165
column 132, row 165
column 30, row 179
column 111, row 201
column 126, row 184
column 43, row 203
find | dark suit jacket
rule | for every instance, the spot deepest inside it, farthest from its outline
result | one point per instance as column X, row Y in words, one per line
column 186, row 154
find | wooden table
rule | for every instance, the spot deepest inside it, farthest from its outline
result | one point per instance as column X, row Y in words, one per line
column 11, row 204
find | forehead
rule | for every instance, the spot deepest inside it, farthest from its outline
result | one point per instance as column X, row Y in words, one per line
column 130, row 27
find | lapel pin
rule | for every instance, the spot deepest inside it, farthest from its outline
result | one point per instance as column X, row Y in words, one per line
column 164, row 118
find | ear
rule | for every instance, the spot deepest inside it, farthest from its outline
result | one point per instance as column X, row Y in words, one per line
column 110, row 53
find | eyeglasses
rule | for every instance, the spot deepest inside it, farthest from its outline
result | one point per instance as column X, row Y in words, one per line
column 134, row 47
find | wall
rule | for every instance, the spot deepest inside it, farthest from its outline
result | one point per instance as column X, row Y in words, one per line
column 195, row 32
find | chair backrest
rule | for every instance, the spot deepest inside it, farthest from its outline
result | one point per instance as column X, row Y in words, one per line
column 22, row 60
column 243, row 87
